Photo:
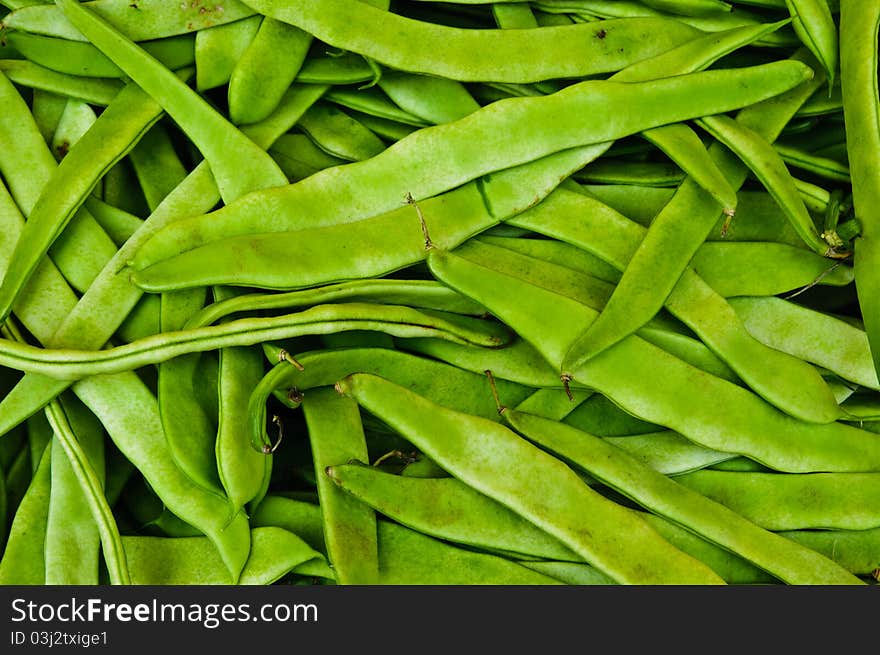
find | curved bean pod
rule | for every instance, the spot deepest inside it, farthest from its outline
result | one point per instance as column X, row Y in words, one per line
column 432, row 99
column 73, row 541
column 217, row 49
column 684, row 147
column 697, row 54
column 130, row 415
column 396, row 320
column 446, row 385
column 27, row 533
column 421, row 294
column 769, row 168
column 814, row 336
column 92, row 486
column 377, row 104
column 856, row 550
column 244, row 473
column 261, row 77
column 97, row 91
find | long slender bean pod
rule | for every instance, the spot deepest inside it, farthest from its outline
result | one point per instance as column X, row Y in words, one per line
column 495, row 137
column 337, row 435
column 396, row 320
column 814, row 25
column 478, row 55
column 859, row 26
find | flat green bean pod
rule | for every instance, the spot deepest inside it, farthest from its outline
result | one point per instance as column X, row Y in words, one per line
column 407, row 557
column 85, row 60
column 336, row 434
column 479, row 55
column 194, row 561
column 366, row 248
column 500, row 464
column 814, row 336
column 788, row 561
column 671, row 240
column 97, row 91
column 448, row 509
column 859, row 26
column 139, row 21
column 27, row 533
column 237, row 163
column 843, row 501
column 120, row 126
column 814, row 25
column 260, row 77
column 648, row 382
column 789, row 383
column 498, row 136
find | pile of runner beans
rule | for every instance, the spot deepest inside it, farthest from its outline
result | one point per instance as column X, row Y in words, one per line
column 358, row 292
